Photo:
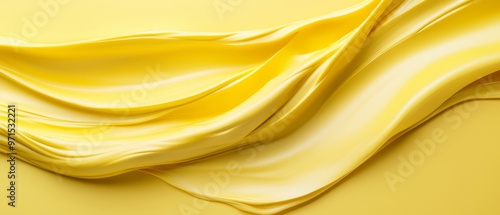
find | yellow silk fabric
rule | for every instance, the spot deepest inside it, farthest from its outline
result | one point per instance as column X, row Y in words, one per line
column 264, row 119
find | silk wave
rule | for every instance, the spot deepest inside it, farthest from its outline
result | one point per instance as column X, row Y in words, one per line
column 263, row 120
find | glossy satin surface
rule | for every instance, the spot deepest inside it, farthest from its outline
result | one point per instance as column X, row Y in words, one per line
column 260, row 117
